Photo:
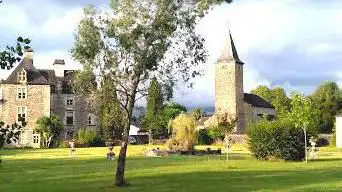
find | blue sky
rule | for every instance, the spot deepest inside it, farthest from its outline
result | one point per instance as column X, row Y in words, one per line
column 288, row 43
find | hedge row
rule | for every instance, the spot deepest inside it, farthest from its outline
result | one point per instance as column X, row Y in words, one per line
column 276, row 139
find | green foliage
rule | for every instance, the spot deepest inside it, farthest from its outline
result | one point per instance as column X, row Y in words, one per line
column 112, row 117
column 216, row 133
column 171, row 111
column 49, row 128
column 152, row 120
column 86, row 136
column 197, row 113
column 276, row 139
column 328, row 100
column 184, row 133
column 225, row 125
column 276, row 96
column 204, row 138
column 303, row 113
column 154, row 98
column 13, row 54
column 9, row 133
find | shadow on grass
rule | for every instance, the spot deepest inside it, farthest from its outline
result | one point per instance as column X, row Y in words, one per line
column 325, row 159
column 299, row 180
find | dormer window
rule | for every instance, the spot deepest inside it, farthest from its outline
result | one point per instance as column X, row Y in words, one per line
column 22, row 76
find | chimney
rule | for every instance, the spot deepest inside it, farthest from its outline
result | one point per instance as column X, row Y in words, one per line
column 58, row 67
column 28, row 54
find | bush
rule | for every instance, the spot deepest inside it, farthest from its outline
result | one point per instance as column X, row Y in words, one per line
column 277, row 139
column 86, row 136
column 332, row 141
column 216, row 133
column 184, row 133
column 63, row 144
column 204, row 138
column 97, row 142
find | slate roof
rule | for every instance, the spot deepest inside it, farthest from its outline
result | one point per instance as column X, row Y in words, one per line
column 257, row 101
column 38, row 76
column 229, row 51
column 34, row 77
column 49, row 75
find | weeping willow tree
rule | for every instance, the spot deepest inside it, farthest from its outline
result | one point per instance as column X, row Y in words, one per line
column 135, row 41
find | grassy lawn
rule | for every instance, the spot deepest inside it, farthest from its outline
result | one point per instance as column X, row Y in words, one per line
column 53, row 170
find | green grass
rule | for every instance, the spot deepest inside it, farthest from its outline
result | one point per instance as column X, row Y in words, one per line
column 53, row 170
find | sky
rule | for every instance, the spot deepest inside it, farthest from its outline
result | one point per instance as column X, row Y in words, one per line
column 289, row 43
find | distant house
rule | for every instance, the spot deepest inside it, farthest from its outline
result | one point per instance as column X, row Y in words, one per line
column 137, row 135
column 30, row 93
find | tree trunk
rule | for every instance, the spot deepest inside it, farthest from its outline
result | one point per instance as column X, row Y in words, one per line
column 150, row 137
column 120, row 170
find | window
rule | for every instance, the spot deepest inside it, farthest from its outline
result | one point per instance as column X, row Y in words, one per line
column 21, row 114
column 270, row 117
column 70, row 101
column 35, row 138
column 22, row 76
column 66, row 88
column 21, row 93
column 69, row 117
column 90, row 122
column 91, row 119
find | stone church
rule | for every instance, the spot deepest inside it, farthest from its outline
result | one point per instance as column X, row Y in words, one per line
column 229, row 95
column 30, row 93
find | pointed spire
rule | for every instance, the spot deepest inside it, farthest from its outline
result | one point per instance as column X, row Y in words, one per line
column 229, row 52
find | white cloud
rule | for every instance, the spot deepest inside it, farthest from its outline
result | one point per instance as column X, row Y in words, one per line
column 65, row 23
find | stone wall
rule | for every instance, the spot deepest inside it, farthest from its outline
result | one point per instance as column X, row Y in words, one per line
column 251, row 114
column 229, row 91
column 37, row 105
column 261, row 110
column 81, row 111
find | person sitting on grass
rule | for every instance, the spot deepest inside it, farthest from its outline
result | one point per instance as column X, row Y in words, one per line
column 110, row 154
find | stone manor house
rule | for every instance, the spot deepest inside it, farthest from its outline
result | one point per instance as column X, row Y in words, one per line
column 229, row 95
column 30, row 93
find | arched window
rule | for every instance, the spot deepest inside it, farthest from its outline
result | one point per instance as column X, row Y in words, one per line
column 22, row 76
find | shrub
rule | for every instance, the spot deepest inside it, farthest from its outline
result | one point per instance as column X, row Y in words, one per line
column 216, row 133
column 184, row 133
column 86, row 136
column 276, row 139
column 97, row 142
column 332, row 141
column 204, row 138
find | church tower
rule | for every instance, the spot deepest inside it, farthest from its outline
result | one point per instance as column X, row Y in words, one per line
column 229, row 83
